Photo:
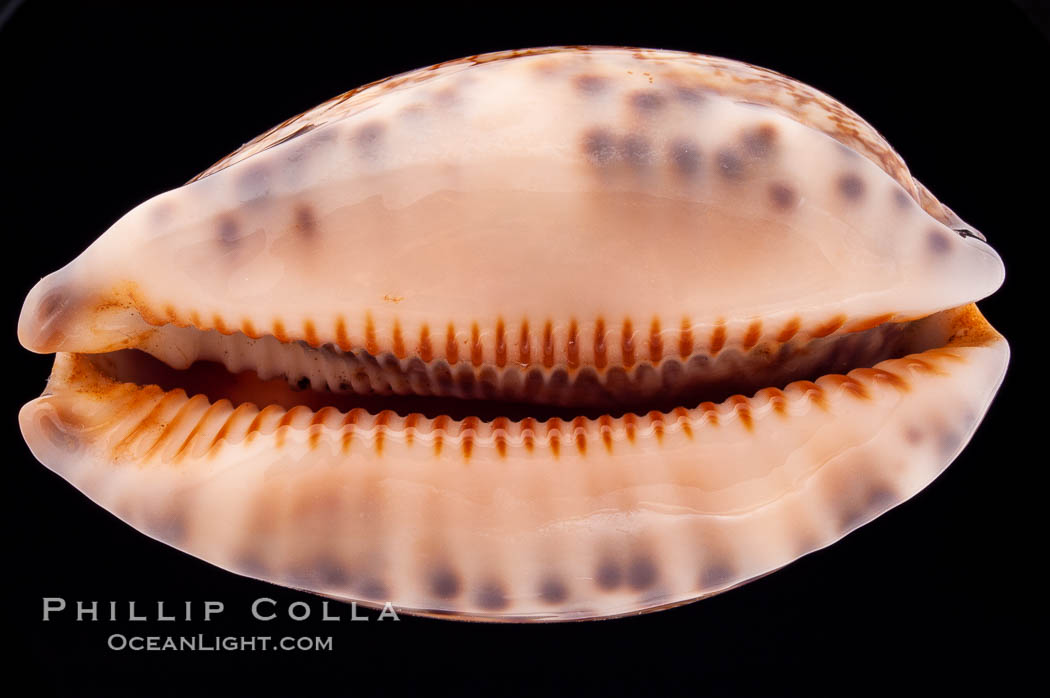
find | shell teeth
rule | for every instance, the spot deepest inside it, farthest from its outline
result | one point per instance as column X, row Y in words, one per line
column 328, row 368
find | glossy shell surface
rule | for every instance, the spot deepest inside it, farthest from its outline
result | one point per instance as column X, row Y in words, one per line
column 662, row 323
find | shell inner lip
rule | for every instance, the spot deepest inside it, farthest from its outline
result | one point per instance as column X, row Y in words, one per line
column 839, row 354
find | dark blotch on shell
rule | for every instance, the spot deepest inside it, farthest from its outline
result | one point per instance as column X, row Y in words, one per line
column 636, row 150
column 938, row 242
column 685, row 155
column 851, row 186
column 877, row 500
column 690, row 95
column 648, row 101
column 251, row 565
column 600, row 147
column 716, row 574
column 590, row 84
column 254, row 184
column 305, row 222
column 228, row 232
column 759, row 142
column 330, row 573
column 373, row 589
column 444, row 583
column 553, row 591
column 641, row 574
column 783, row 196
column 491, row 597
column 730, row 164
column 368, row 139
column 608, row 575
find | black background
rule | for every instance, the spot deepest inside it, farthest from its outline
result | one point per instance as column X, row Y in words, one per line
column 109, row 104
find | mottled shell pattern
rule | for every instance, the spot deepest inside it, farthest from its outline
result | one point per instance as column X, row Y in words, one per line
column 539, row 335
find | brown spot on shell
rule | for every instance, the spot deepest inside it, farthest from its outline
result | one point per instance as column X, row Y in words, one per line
column 444, row 583
column 368, row 139
column 684, row 155
column 716, row 574
column 635, row 150
column 782, row 196
column 305, row 223
column 254, row 184
column 492, row 597
column 228, row 231
column 759, row 142
column 553, row 591
column 446, row 97
column 647, row 101
column 855, row 510
column 850, row 186
column 641, row 573
column 730, row 164
column 372, row 589
column 901, row 198
column 690, row 95
column 608, row 575
column 600, row 147
column 590, row 85
column 938, row 242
